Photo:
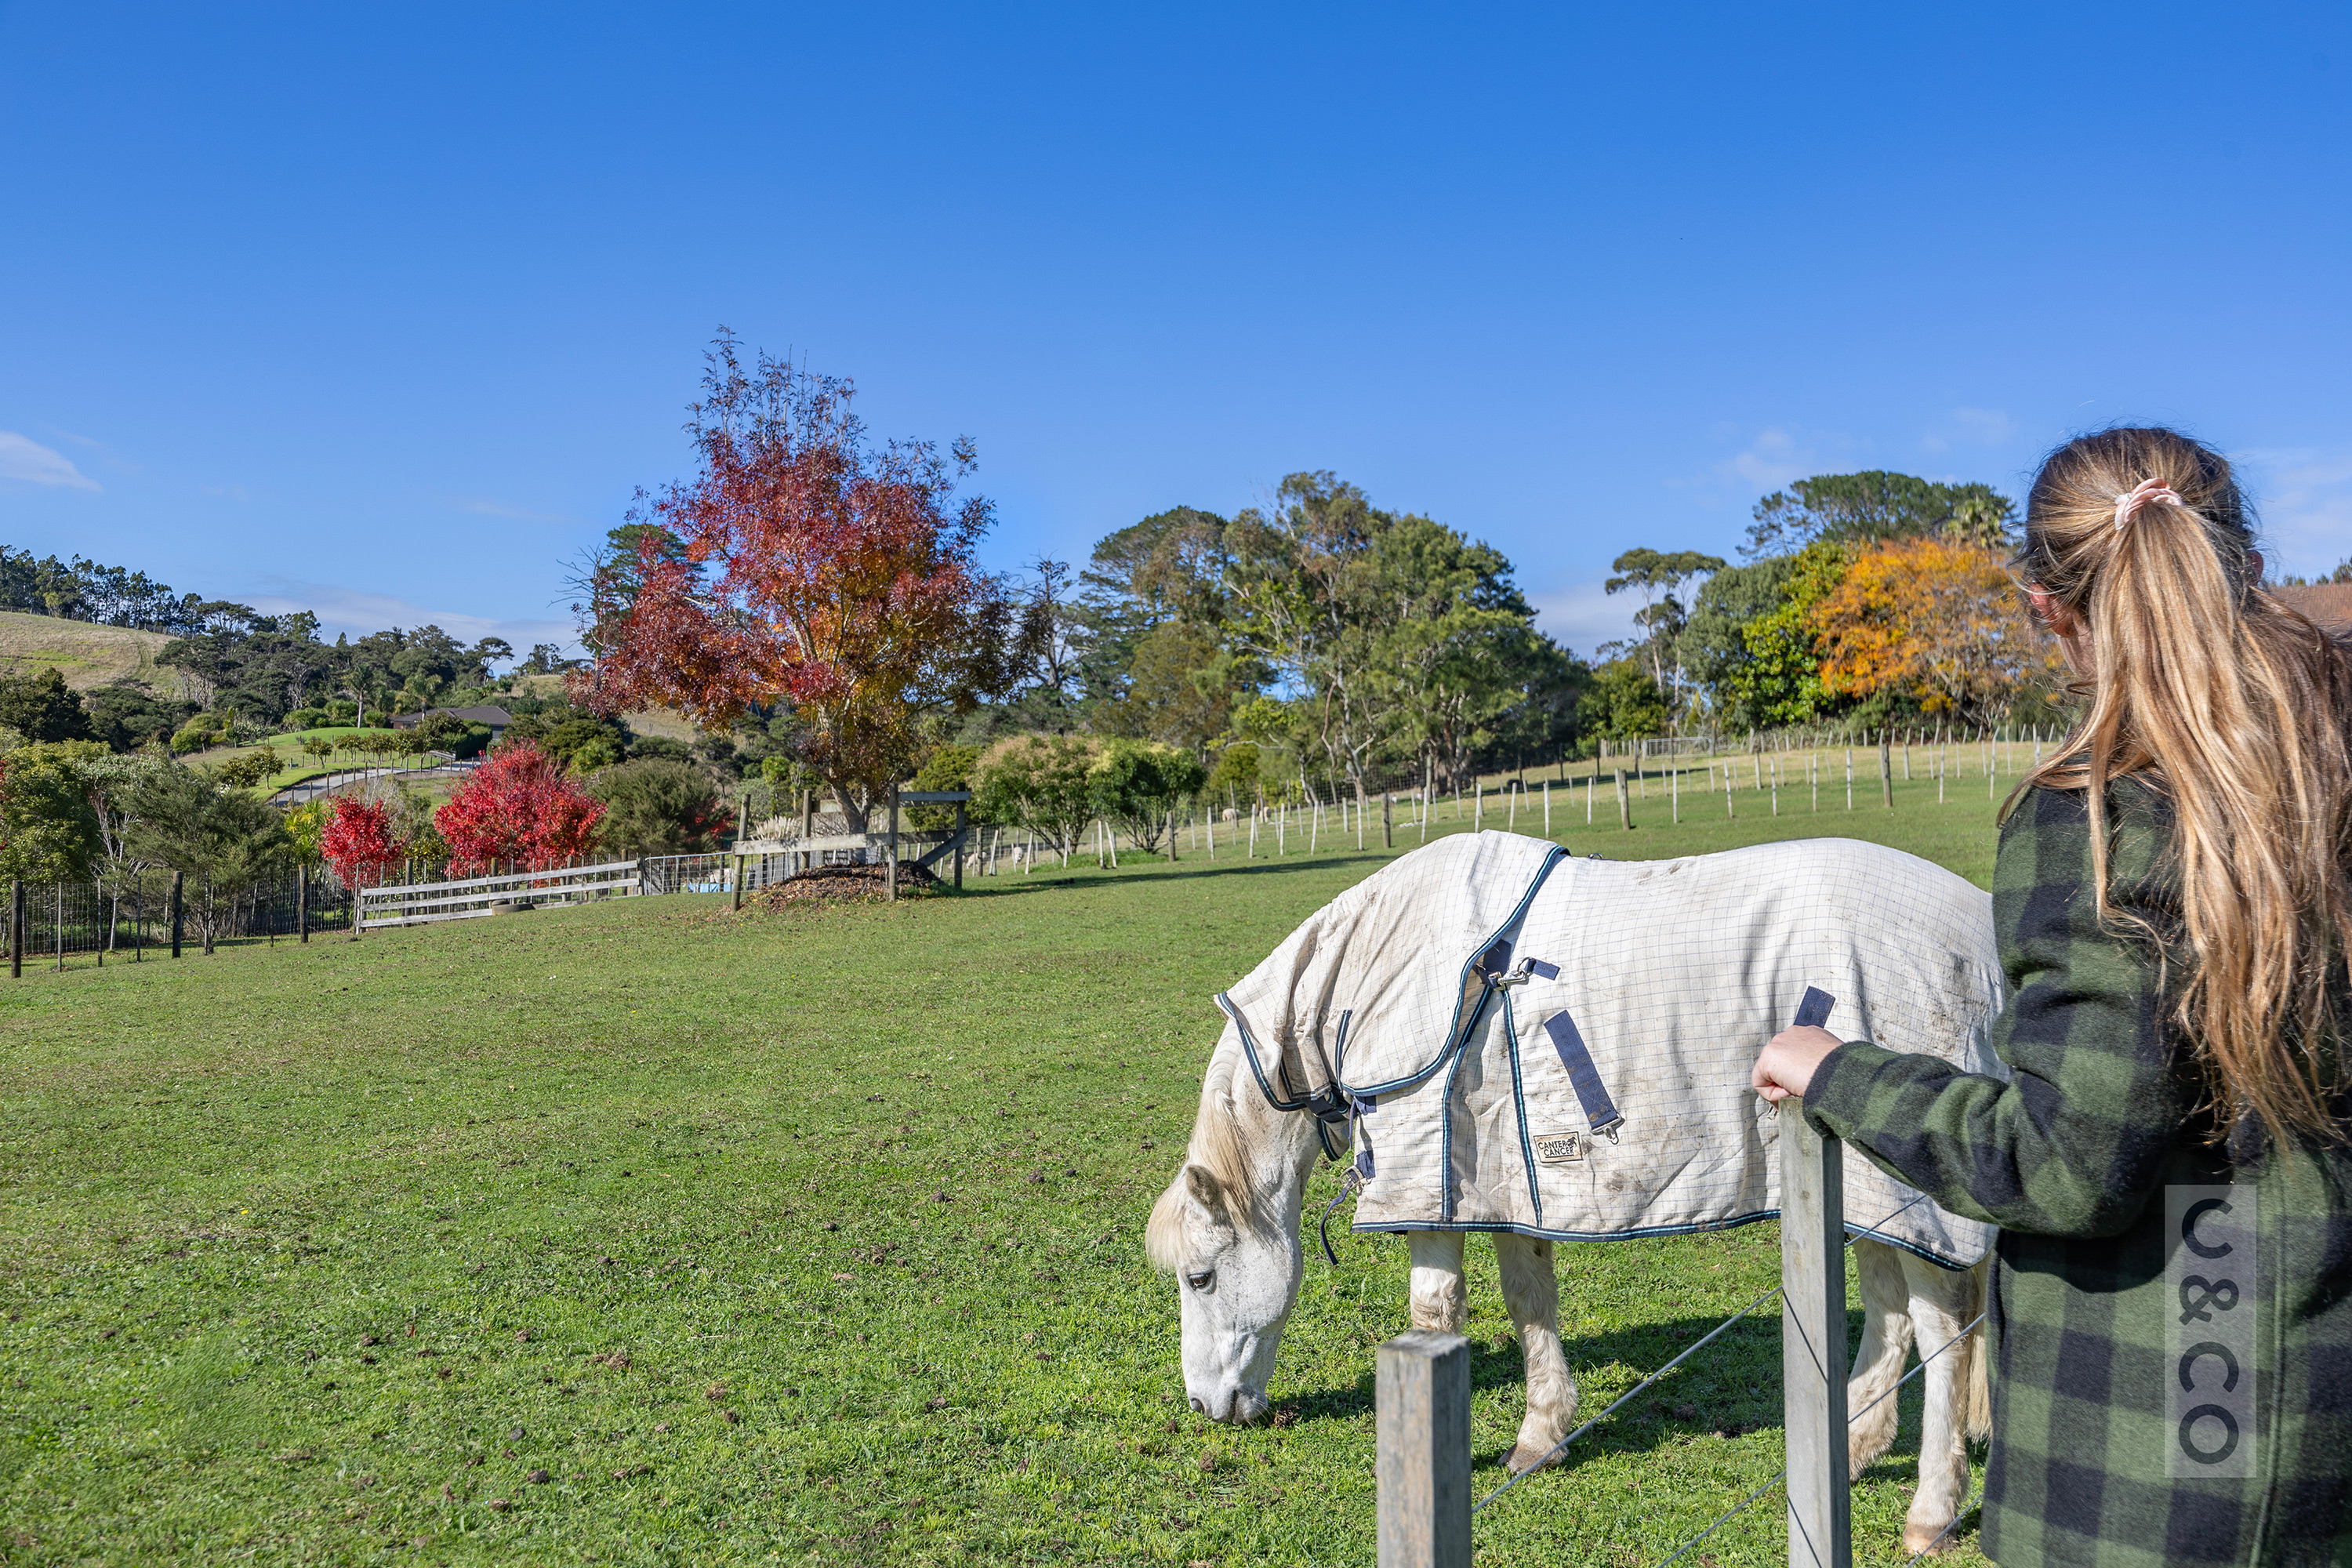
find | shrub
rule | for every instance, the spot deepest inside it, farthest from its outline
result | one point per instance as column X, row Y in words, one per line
column 658, row 805
column 360, row 840
column 1039, row 783
column 949, row 767
column 249, row 770
column 306, row 719
column 1136, row 784
column 518, row 806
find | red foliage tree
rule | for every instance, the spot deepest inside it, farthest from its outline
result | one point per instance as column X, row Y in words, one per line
column 803, row 569
column 517, row 806
column 360, row 840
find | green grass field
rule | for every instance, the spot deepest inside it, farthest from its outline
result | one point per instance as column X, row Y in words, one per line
column 649, row 1233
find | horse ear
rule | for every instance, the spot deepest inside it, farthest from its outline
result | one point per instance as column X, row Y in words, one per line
column 1205, row 1190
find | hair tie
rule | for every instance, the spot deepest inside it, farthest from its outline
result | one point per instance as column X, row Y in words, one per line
column 2128, row 503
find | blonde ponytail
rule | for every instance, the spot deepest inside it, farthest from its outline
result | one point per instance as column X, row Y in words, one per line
column 2235, row 708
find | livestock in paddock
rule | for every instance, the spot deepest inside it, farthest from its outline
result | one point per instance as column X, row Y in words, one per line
column 1503, row 1038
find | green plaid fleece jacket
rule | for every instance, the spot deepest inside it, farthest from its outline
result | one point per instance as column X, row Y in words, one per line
column 2071, row 1158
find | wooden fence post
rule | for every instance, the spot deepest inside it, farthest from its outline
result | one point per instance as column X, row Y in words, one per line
column 1624, row 801
column 890, row 852
column 302, row 901
column 1422, row 1394
column 177, row 879
column 1388, row 820
column 964, row 825
column 1813, row 1344
column 15, row 928
column 1886, row 770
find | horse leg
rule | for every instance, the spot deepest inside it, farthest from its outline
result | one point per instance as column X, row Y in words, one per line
column 1942, row 1302
column 1878, row 1365
column 1439, row 1300
column 1531, row 1291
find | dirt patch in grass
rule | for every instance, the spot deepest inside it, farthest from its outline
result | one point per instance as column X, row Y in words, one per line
column 841, row 885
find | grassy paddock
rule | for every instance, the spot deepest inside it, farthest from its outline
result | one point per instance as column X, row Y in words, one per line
column 807, row 1237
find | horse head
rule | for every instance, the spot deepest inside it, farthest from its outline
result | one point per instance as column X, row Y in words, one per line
column 1227, row 1228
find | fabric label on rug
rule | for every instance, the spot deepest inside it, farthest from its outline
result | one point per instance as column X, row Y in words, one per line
column 1558, row 1148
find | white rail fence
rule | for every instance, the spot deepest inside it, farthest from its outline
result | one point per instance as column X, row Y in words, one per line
column 471, row 898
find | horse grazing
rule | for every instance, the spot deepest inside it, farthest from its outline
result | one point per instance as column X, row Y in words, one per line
column 1471, row 1133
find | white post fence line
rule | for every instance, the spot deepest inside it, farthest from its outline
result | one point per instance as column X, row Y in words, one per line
column 1422, row 1392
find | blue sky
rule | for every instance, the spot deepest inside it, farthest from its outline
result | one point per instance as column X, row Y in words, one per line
column 385, row 312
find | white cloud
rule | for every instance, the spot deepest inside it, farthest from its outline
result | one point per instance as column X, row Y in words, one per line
column 1970, row 428
column 1771, row 460
column 1583, row 616
column 22, row 457
column 485, row 508
column 356, row 613
column 2305, row 496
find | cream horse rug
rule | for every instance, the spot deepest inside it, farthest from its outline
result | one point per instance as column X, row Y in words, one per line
column 1507, row 1040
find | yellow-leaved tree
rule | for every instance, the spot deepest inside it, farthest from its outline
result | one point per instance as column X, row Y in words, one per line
column 1933, row 618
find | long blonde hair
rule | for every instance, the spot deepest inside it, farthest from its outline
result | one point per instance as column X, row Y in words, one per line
column 2234, row 707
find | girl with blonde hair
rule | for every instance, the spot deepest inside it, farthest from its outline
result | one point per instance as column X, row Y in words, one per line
column 2170, row 1296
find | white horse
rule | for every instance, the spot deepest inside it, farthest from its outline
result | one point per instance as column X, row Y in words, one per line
column 1228, row 1227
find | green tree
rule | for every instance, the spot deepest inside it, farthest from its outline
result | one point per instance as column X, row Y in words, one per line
column 1624, row 702
column 1180, row 689
column 1041, row 784
column 1136, row 784
column 42, row 708
column 659, row 807
column 225, row 841
column 1856, row 509
column 1657, row 575
column 49, row 826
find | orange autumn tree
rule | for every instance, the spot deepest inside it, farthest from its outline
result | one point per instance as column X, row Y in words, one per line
column 803, row 569
column 1933, row 619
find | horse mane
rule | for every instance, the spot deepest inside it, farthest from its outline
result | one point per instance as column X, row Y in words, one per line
column 1218, row 1148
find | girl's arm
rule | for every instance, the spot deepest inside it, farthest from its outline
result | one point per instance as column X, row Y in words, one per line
column 2073, row 1144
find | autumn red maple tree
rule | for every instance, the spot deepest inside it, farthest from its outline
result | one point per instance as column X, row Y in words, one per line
column 360, row 840
column 518, row 806
column 803, row 569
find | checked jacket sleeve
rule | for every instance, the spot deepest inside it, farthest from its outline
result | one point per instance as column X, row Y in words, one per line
column 2074, row 1143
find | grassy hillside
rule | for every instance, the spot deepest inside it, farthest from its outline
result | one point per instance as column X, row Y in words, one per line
column 87, row 655
column 651, row 1234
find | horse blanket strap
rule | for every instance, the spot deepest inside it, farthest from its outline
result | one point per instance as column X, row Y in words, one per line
column 1814, row 1010
column 1598, row 1109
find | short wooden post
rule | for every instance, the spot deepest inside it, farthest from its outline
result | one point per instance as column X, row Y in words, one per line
column 1886, row 770
column 15, row 928
column 1171, row 835
column 1624, row 801
column 738, row 880
column 178, row 878
column 1813, row 1343
column 1388, row 820
column 302, row 901
column 890, row 851
column 961, row 825
column 1422, row 1395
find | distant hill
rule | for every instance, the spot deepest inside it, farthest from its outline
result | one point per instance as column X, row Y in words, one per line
column 86, row 654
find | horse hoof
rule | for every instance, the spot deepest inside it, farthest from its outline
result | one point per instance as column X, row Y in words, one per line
column 1919, row 1538
column 1525, row 1458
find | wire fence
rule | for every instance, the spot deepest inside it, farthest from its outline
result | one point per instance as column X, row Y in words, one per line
column 132, row 916
column 1819, row 1521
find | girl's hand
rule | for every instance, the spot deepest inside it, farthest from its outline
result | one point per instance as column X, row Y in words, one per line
column 1786, row 1066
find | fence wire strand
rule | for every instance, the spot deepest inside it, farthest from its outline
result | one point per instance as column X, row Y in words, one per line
column 1561, row 1447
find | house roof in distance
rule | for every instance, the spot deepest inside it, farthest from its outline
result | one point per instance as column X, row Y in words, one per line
column 2329, row 603
column 496, row 718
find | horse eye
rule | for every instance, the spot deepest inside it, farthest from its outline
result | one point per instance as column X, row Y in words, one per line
column 1200, row 1281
